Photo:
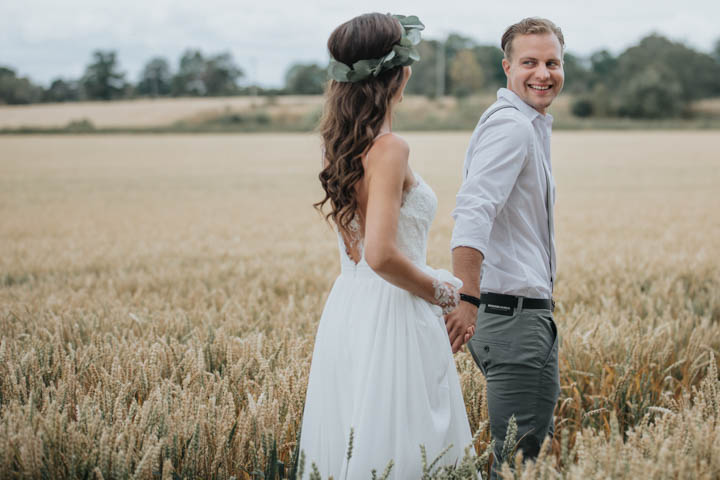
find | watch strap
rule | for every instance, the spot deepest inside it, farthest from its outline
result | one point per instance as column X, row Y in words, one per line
column 470, row 299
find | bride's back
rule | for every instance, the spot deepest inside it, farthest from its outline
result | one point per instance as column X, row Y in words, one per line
column 352, row 236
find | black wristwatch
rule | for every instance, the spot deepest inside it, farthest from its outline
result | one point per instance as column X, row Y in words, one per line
column 470, row 299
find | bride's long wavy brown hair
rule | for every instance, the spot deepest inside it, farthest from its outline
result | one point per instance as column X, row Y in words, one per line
column 355, row 112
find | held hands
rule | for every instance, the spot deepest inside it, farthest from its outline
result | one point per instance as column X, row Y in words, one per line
column 460, row 324
column 460, row 316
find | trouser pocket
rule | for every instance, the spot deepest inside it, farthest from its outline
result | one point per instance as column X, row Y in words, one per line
column 487, row 353
column 548, row 330
column 493, row 339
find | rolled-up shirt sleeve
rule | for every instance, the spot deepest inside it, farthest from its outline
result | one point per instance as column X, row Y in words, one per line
column 495, row 159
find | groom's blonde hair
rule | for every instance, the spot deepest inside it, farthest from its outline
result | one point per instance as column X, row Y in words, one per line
column 530, row 26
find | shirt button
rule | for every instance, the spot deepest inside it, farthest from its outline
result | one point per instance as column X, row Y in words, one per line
column 487, row 348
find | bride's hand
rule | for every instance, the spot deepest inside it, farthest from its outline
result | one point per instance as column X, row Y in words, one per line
column 446, row 296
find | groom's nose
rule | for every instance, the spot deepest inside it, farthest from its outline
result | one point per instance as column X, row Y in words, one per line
column 542, row 73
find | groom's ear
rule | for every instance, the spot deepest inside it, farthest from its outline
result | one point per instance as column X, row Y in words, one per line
column 506, row 66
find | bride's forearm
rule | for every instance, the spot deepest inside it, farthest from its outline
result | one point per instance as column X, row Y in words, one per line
column 398, row 270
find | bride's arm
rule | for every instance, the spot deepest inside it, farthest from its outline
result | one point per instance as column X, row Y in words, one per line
column 385, row 172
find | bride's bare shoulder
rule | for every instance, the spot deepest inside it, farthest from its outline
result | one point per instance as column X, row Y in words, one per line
column 389, row 150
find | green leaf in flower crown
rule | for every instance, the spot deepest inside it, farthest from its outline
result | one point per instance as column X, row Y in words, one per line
column 410, row 22
column 414, row 55
column 362, row 69
column 388, row 57
column 403, row 54
column 338, row 71
column 405, row 41
column 414, row 36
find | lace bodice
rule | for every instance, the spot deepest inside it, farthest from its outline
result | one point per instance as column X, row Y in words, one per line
column 417, row 212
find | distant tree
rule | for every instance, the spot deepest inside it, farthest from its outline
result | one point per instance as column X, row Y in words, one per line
column 305, row 79
column 577, row 76
column 198, row 76
column 696, row 73
column 454, row 43
column 62, row 91
column 102, row 79
column 221, row 75
column 582, row 107
column 602, row 63
column 16, row 90
column 424, row 74
column 155, row 79
column 654, row 92
column 466, row 74
column 189, row 78
column 716, row 51
column 597, row 103
column 604, row 103
column 490, row 60
column 657, row 78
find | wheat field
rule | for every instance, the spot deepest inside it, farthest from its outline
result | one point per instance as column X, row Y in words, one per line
column 159, row 297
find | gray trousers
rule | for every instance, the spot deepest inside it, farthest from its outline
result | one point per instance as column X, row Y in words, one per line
column 518, row 354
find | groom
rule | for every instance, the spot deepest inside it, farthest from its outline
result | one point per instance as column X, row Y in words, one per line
column 503, row 245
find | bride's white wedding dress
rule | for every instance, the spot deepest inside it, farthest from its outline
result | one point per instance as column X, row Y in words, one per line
column 382, row 366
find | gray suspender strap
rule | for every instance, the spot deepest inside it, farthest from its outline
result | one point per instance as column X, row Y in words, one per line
column 548, row 198
column 551, row 226
column 486, row 115
column 484, row 118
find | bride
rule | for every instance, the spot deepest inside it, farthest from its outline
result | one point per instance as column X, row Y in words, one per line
column 382, row 367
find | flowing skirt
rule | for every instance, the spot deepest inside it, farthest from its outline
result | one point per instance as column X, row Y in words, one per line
column 382, row 367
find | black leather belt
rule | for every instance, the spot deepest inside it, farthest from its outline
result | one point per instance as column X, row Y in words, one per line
column 501, row 302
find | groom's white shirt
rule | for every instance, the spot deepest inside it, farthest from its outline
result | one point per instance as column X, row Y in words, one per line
column 501, row 206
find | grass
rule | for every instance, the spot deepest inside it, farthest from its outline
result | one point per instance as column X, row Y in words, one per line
column 159, row 297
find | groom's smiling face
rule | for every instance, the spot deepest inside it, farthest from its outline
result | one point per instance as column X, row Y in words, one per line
column 535, row 70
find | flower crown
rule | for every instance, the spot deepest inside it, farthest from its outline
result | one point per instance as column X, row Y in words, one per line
column 402, row 54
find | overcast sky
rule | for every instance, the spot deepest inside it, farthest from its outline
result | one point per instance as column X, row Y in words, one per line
column 45, row 39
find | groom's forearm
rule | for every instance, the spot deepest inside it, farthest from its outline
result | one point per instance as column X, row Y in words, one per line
column 466, row 266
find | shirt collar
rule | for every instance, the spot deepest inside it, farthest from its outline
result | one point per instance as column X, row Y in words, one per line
column 526, row 109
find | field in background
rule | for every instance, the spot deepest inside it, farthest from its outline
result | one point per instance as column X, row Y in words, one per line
column 159, row 297
column 289, row 113
column 141, row 112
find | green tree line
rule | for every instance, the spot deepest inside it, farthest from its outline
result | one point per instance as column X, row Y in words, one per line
column 196, row 75
column 657, row 78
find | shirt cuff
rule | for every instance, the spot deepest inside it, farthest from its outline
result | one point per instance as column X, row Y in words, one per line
column 471, row 243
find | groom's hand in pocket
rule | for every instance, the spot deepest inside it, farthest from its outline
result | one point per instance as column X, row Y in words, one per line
column 460, row 324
